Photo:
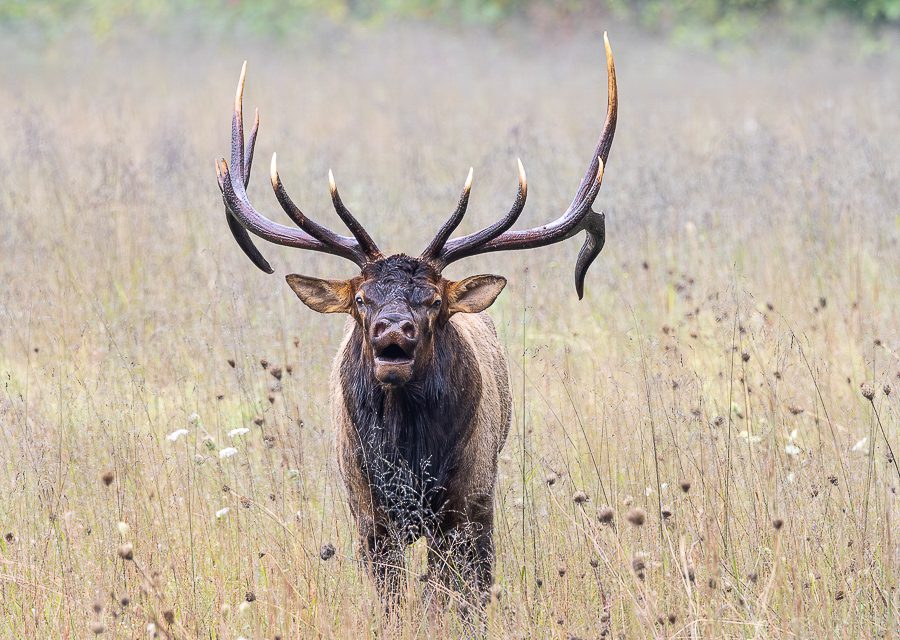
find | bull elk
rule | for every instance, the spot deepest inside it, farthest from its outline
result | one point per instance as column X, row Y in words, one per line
column 420, row 388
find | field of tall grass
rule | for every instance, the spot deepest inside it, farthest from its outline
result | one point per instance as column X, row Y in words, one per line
column 701, row 448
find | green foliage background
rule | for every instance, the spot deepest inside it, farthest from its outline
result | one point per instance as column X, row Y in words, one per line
column 724, row 17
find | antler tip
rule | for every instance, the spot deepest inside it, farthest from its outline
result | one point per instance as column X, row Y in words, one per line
column 601, row 166
column 239, row 94
column 523, row 181
column 331, row 185
column 273, row 170
column 469, row 178
column 610, row 61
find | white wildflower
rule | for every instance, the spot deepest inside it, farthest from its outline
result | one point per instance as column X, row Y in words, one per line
column 859, row 446
column 222, row 512
column 172, row 437
column 793, row 435
column 791, row 477
column 791, row 449
column 227, row 452
column 234, row 433
column 193, row 419
column 242, row 607
column 124, row 529
column 151, row 629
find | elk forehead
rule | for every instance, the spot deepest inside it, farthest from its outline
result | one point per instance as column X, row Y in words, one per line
column 399, row 277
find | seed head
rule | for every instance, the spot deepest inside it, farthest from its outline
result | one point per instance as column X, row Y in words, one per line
column 108, row 477
column 606, row 515
column 126, row 551
column 264, row 363
column 327, row 551
column 550, row 479
column 685, row 486
column 169, row 616
column 249, row 596
column 561, row 570
column 777, row 523
column 97, row 606
column 887, row 389
column 637, row 563
column 231, row 363
column 276, row 372
column 636, row 516
column 579, row 497
column 867, row 390
column 97, row 628
column 124, row 601
column 745, row 356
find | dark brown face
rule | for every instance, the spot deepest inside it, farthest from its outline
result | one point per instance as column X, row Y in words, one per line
column 401, row 305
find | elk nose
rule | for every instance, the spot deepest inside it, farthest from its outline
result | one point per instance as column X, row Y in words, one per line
column 391, row 323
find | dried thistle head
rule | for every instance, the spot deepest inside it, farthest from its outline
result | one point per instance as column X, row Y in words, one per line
column 126, row 551
column 606, row 515
column 685, row 486
column 579, row 497
column 867, row 391
column 636, row 516
column 108, row 477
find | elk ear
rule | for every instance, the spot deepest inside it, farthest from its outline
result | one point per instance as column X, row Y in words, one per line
column 475, row 294
column 324, row 296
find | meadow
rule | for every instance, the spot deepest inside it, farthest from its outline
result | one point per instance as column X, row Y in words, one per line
column 701, row 448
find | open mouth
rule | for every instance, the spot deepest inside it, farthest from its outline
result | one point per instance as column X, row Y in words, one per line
column 393, row 354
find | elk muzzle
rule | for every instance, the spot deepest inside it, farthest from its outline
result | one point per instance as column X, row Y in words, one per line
column 394, row 338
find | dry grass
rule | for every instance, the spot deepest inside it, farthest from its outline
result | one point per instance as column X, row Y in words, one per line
column 708, row 387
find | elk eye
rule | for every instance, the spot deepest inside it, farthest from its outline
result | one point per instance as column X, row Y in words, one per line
column 436, row 304
column 359, row 300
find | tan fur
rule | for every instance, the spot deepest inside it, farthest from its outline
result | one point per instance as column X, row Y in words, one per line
column 488, row 434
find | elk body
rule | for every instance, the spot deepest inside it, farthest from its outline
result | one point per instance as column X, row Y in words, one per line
column 420, row 392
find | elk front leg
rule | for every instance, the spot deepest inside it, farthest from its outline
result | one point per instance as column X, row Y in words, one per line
column 385, row 564
column 461, row 555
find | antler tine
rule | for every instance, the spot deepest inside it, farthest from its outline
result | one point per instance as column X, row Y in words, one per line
column 434, row 248
column 342, row 245
column 577, row 216
column 251, row 145
column 458, row 248
column 365, row 241
column 242, row 217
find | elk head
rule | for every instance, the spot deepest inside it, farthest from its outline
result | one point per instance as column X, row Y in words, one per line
column 401, row 302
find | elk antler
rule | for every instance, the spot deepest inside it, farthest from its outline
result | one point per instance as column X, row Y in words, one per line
column 242, row 217
column 577, row 217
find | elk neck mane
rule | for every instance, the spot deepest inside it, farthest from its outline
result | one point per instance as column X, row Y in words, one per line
column 410, row 439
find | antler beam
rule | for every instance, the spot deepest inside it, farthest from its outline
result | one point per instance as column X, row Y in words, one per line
column 577, row 217
column 242, row 217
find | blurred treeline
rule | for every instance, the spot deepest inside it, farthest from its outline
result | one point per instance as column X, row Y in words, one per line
column 723, row 18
